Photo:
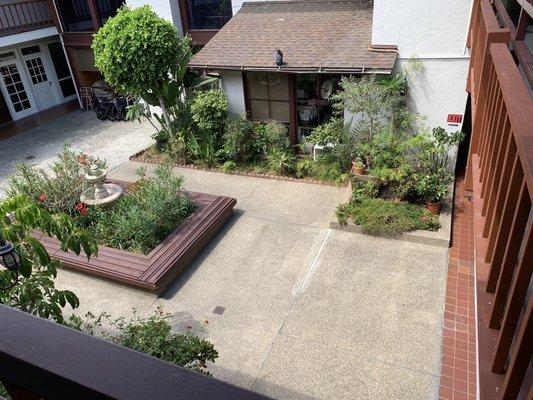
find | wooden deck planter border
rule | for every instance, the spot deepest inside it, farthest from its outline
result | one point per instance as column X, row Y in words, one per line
column 159, row 268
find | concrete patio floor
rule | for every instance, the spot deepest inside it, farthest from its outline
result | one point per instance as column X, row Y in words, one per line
column 310, row 313
column 113, row 141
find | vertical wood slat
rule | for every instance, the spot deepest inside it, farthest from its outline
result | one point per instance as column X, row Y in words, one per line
column 488, row 110
column 510, row 257
column 484, row 112
column 500, row 243
column 498, row 121
column 516, row 299
column 24, row 16
column 521, row 356
column 494, row 203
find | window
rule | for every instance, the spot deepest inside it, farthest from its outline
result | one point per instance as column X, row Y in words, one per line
column 107, row 9
column 75, row 15
column 268, row 94
column 26, row 51
column 36, row 70
column 208, row 14
column 15, row 88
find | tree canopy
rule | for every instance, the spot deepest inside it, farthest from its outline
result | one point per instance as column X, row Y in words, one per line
column 137, row 51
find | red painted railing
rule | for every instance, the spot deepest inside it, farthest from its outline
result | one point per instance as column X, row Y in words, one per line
column 500, row 174
column 23, row 16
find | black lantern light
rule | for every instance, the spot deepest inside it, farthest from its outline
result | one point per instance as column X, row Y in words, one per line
column 10, row 259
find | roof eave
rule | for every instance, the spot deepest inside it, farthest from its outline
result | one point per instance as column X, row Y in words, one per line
column 297, row 70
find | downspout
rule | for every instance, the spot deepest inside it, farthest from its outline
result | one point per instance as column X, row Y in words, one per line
column 62, row 29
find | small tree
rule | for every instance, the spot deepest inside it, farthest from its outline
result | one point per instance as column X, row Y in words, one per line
column 139, row 52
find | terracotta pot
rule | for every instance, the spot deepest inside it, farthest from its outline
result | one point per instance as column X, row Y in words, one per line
column 433, row 208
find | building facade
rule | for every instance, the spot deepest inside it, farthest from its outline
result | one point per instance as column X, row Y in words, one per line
column 34, row 72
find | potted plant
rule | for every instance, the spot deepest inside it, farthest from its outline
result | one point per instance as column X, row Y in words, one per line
column 432, row 188
column 358, row 167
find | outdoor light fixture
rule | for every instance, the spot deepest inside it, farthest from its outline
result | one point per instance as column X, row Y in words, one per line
column 10, row 259
column 278, row 57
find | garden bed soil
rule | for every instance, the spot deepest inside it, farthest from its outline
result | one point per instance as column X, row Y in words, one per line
column 142, row 157
column 159, row 268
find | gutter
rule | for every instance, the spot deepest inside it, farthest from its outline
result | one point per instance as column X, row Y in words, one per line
column 296, row 70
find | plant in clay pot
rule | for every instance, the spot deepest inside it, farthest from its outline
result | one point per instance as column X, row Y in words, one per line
column 358, row 167
column 432, row 188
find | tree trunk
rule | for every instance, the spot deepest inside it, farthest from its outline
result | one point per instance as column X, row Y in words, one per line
column 164, row 110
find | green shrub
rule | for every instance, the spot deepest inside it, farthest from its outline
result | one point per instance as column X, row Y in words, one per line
column 280, row 161
column 209, row 110
column 152, row 336
column 385, row 217
column 143, row 217
column 229, row 166
column 239, row 139
column 59, row 191
column 273, row 136
column 363, row 190
column 332, row 132
column 304, row 167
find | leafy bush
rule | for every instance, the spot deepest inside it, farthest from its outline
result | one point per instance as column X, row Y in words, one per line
column 330, row 133
column 385, row 217
column 60, row 191
column 239, row 139
column 280, row 161
column 209, row 110
column 35, row 292
column 152, row 336
column 143, row 217
column 273, row 136
column 363, row 190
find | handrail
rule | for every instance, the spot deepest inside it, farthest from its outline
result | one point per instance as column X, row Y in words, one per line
column 55, row 362
column 24, row 15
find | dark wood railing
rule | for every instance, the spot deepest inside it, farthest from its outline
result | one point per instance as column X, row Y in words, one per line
column 25, row 15
column 500, row 174
column 40, row 359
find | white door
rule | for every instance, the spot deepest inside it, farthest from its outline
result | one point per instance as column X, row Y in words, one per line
column 40, row 77
column 16, row 94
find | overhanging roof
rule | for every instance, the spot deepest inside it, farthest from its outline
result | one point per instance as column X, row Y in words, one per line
column 314, row 36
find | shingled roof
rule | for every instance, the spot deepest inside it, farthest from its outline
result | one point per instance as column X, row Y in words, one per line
column 314, row 36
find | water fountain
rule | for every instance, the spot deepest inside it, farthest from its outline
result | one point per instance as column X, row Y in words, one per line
column 100, row 193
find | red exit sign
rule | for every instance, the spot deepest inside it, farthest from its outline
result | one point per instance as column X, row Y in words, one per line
column 455, row 118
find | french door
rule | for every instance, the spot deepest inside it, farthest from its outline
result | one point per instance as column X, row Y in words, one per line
column 16, row 90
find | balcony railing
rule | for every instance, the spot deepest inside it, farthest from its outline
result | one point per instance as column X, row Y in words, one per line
column 25, row 15
column 42, row 360
column 500, row 174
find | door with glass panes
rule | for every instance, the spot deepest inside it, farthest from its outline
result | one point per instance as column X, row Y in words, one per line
column 40, row 75
column 15, row 87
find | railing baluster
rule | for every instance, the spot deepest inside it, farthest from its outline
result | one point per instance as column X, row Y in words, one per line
column 509, row 259
column 517, row 297
column 497, row 128
column 521, row 356
column 24, row 16
column 494, row 208
column 488, row 110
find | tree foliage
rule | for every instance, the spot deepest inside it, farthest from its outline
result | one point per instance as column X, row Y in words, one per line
column 35, row 291
column 137, row 51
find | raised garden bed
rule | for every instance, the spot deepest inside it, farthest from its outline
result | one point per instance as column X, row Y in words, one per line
column 156, row 270
column 141, row 157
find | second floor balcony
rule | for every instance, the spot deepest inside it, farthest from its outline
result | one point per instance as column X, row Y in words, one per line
column 24, row 16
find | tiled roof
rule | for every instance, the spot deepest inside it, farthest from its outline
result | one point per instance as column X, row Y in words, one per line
column 325, row 35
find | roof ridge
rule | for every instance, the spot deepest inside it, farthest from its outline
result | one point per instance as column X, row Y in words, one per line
column 263, row 2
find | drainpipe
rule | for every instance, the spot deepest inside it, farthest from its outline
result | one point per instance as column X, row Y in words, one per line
column 62, row 29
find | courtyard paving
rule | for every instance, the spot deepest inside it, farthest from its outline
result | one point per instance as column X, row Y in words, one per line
column 113, row 141
column 309, row 312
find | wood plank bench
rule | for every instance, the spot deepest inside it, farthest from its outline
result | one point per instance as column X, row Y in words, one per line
column 159, row 268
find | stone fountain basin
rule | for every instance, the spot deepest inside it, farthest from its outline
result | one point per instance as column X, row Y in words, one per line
column 114, row 190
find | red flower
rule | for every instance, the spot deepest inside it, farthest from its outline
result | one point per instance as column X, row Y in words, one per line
column 81, row 208
column 82, row 159
column 42, row 197
column 424, row 218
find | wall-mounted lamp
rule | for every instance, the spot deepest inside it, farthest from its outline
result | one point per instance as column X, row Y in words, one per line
column 10, row 259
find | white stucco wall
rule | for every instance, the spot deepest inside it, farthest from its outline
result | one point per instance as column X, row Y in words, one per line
column 167, row 9
column 233, row 87
column 422, row 27
column 435, row 32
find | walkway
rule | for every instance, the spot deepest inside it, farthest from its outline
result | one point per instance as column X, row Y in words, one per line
column 114, row 141
column 296, row 310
